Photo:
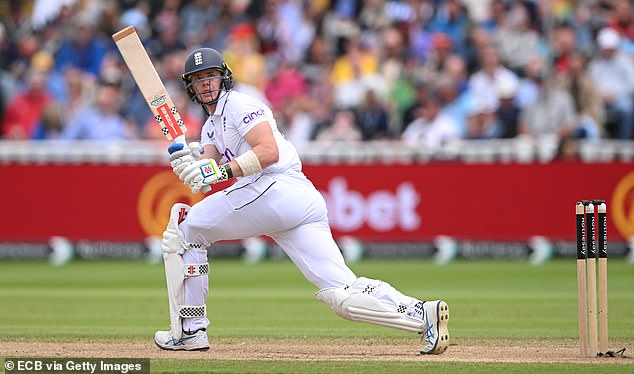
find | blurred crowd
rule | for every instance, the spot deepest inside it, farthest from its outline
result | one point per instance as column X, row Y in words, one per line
column 420, row 71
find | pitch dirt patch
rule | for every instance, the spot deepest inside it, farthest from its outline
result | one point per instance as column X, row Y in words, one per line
column 312, row 349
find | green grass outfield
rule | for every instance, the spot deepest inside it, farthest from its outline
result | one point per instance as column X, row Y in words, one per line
column 125, row 301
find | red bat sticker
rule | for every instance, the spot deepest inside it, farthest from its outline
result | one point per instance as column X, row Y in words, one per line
column 169, row 121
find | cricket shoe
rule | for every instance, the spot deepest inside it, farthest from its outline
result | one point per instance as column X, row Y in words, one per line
column 435, row 337
column 196, row 341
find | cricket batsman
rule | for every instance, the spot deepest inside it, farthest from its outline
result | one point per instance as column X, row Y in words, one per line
column 272, row 197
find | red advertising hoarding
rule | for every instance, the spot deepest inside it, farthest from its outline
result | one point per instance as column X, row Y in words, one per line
column 377, row 203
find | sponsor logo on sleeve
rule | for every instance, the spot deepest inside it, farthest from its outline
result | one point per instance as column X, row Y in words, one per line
column 253, row 115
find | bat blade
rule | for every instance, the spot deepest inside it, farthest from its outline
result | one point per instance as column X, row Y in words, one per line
column 150, row 84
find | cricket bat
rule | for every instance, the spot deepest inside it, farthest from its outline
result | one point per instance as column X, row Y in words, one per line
column 151, row 86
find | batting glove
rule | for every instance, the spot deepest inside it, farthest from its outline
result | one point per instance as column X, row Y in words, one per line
column 197, row 150
column 181, row 156
column 202, row 173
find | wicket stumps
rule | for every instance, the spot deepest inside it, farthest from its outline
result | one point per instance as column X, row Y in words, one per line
column 592, row 342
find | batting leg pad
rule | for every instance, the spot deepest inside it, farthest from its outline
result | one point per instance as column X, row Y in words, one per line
column 174, row 245
column 351, row 304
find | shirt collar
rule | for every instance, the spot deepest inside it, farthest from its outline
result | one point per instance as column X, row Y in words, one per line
column 222, row 102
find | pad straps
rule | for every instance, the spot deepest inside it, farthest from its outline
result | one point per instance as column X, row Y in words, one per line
column 195, row 270
column 193, row 311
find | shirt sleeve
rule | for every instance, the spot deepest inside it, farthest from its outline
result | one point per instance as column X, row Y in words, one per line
column 251, row 113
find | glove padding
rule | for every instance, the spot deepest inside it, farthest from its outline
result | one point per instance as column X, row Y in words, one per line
column 197, row 150
column 201, row 173
column 180, row 159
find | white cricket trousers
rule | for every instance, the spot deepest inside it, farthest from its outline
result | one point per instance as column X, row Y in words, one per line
column 287, row 208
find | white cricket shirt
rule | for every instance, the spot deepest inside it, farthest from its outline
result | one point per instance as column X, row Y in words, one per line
column 236, row 114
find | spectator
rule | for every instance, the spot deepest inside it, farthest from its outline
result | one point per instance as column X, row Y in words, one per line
column 455, row 69
column 18, row 56
column 297, row 124
column 393, row 55
column 375, row 15
column 16, row 18
column 286, row 84
column 194, row 17
column 528, row 89
column 352, row 74
column 622, row 21
column 598, row 17
column 51, row 124
column 418, row 39
column 295, row 30
column 412, row 112
column 65, row 86
column 552, row 114
column 485, row 81
column 15, row 57
column 508, row 112
column 166, row 42
column 458, row 105
column 564, row 45
column 343, row 128
column 479, row 40
column 583, row 29
column 266, row 23
column 6, row 81
column 613, row 73
column 102, row 121
column 452, row 19
column 402, row 94
column 516, row 42
column 244, row 57
column 372, row 118
column 479, row 10
column 55, row 82
column 432, row 128
column 400, row 69
column 443, row 47
column 232, row 14
column 318, row 61
column 25, row 110
column 137, row 16
column 586, row 98
column 496, row 16
column 562, row 11
column 316, row 69
column 166, row 17
column 482, row 124
column 85, row 50
column 80, row 93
